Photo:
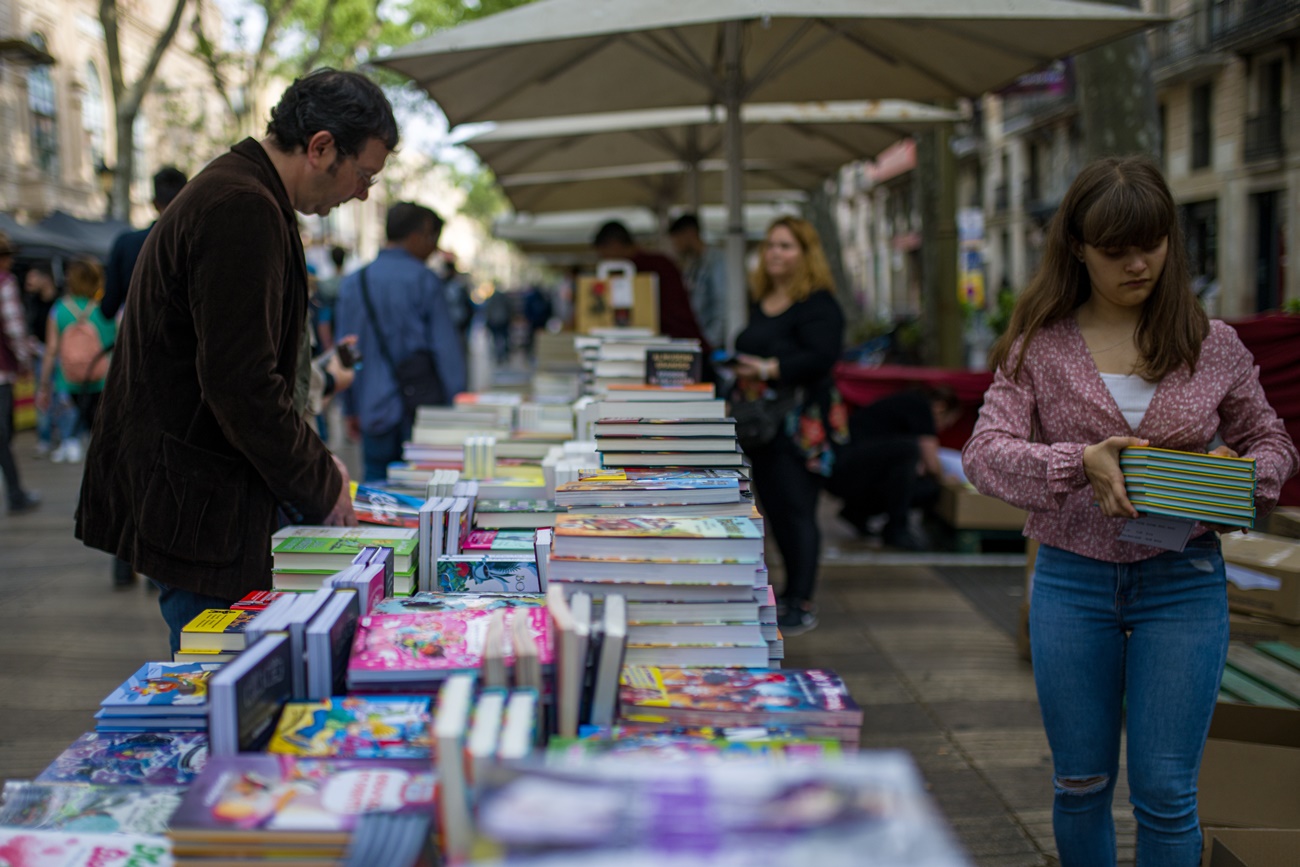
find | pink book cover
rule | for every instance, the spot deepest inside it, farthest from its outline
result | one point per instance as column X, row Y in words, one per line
column 479, row 540
column 438, row 640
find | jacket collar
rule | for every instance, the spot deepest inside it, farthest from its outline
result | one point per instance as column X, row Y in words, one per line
column 251, row 149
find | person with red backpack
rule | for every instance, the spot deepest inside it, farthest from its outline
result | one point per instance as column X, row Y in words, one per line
column 78, row 338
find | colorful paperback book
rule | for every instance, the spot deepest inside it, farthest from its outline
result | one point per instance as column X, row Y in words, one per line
column 130, row 758
column 489, row 574
column 498, row 540
column 357, row 727
column 100, row 809
column 678, row 747
column 163, row 689
column 257, row 600
column 310, row 548
column 429, row 601
column 756, row 696
column 24, row 848
column 650, row 536
column 377, row 506
column 433, row 644
column 267, row 798
column 216, row 629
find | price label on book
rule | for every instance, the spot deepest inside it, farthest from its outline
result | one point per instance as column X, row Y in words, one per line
column 1158, row 532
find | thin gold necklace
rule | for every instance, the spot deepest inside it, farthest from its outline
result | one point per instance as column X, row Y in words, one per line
column 1127, row 339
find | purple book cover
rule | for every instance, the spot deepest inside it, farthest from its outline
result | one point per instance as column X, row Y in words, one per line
column 264, row 792
column 149, row 758
column 437, row 641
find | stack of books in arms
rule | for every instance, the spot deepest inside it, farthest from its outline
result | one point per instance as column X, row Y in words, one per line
column 1213, row 489
column 303, row 557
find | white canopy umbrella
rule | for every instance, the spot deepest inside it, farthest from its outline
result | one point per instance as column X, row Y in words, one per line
column 657, row 186
column 558, row 57
column 810, row 139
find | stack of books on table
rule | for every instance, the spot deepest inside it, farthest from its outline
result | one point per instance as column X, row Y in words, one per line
column 613, row 359
column 252, row 808
column 389, row 508
column 855, row 811
column 303, row 557
column 152, row 758
column 672, row 560
column 159, row 697
column 1213, row 489
column 815, row 701
column 515, row 514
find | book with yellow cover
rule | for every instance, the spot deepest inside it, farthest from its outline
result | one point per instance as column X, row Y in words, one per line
column 216, row 629
column 357, row 727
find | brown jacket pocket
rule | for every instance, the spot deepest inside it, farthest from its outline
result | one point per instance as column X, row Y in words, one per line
column 194, row 505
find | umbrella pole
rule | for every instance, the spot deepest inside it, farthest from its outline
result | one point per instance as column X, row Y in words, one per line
column 737, row 305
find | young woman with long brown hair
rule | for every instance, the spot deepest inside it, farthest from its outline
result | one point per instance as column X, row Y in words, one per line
column 1108, row 349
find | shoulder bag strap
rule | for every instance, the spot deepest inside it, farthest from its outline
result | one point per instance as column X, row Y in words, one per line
column 374, row 323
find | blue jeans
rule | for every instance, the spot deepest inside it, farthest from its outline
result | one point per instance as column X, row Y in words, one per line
column 1152, row 635
column 179, row 607
column 380, row 450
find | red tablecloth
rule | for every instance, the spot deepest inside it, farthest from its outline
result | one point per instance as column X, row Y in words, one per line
column 1273, row 338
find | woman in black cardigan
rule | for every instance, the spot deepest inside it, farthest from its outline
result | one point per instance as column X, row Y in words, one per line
column 794, row 337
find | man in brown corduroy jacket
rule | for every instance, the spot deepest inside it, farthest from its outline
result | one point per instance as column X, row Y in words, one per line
column 199, row 453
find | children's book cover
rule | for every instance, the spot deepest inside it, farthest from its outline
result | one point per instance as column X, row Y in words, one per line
column 98, row 809
column 165, row 687
column 387, row 508
column 430, row 601
column 437, row 641
column 687, row 748
column 489, row 574
column 641, row 526
column 394, row 727
column 22, row 848
column 749, row 693
column 130, row 758
column 277, row 793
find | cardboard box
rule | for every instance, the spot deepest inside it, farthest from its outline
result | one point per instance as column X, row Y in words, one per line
column 965, row 508
column 1250, row 772
column 1283, row 521
column 1256, row 630
column 592, row 308
column 1251, row 847
column 1271, row 555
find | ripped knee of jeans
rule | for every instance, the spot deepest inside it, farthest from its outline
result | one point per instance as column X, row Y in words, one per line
column 1081, row 785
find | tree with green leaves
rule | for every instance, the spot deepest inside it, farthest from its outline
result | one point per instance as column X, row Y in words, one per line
column 128, row 96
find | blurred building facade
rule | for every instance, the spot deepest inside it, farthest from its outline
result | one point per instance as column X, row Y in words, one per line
column 1228, row 84
column 57, row 123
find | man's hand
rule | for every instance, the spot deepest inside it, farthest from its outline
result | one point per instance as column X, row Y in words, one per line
column 342, row 515
column 343, row 376
column 353, row 424
column 1101, row 464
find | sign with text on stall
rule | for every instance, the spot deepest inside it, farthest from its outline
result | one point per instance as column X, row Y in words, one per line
column 617, row 297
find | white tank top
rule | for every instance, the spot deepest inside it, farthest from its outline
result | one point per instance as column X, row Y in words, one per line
column 1132, row 395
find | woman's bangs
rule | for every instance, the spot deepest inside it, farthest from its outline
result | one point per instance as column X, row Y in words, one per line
column 1127, row 215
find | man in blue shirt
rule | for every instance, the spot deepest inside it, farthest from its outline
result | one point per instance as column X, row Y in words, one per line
column 409, row 302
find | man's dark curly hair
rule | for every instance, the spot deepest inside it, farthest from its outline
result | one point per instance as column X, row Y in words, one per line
column 347, row 105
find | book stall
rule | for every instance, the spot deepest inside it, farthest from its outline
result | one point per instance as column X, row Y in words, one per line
column 552, row 640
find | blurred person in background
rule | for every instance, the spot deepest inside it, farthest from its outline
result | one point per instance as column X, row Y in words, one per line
column 40, row 293
column 167, row 184
column 704, row 269
column 786, row 403
column 15, row 360
column 79, row 310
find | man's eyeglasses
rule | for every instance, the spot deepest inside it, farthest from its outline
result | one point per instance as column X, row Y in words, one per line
column 368, row 180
